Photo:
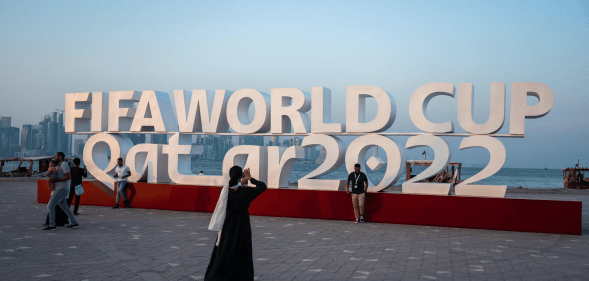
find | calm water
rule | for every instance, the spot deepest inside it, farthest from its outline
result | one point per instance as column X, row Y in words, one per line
column 531, row 178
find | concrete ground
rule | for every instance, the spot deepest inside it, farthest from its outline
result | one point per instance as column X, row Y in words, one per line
column 141, row 244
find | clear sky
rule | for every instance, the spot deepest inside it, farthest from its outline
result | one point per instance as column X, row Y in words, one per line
column 49, row 48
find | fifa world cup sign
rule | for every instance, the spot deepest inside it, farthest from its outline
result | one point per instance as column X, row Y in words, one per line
column 290, row 111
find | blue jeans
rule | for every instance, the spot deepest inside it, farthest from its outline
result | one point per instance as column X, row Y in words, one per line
column 58, row 198
column 121, row 188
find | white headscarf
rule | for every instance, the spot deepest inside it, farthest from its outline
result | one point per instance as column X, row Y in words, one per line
column 218, row 217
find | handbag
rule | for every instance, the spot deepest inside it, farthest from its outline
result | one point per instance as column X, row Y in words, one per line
column 79, row 190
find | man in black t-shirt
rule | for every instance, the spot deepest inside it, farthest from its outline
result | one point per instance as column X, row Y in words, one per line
column 77, row 173
column 359, row 183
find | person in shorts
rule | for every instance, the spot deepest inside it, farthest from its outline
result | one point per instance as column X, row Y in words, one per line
column 359, row 183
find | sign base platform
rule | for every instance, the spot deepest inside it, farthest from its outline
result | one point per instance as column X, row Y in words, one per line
column 525, row 215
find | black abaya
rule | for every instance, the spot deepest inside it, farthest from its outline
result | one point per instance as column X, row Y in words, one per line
column 233, row 259
column 61, row 218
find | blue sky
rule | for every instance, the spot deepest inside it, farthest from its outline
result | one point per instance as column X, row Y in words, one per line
column 49, row 48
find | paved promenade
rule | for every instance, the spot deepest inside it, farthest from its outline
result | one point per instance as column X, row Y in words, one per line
column 137, row 244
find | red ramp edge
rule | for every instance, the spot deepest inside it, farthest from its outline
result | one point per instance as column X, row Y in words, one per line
column 526, row 215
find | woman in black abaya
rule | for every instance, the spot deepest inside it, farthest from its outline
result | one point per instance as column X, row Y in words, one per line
column 232, row 256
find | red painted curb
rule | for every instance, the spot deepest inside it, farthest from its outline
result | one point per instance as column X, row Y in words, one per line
column 546, row 216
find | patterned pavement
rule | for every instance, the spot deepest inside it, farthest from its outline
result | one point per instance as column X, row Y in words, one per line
column 140, row 244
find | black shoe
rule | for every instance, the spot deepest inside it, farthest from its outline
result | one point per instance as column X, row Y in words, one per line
column 49, row 228
column 357, row 221
column 362, row 220
column 76, row 213
column 72, row 225
column 116, row 206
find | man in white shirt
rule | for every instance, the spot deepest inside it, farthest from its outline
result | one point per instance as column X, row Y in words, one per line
column 60, row 192
column 122, row 172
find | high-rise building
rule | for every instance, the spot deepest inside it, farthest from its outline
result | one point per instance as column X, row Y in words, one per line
column 311, row 153
column 9, row 141
column 48, row 136
column 52, row 135
column 5, row 122
column 27, row 137
column 251, row 140
column 137, row 138
column 225, row 143
column 294, row 141
column 40, row 140
column 62, row 137
column 159, row 138
column 79, row 147
column 274, row 141
column 322, row 156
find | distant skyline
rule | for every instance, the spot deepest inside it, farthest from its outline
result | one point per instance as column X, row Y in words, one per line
column 48, row 49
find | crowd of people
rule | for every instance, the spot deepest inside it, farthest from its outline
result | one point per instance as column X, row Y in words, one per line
column 232, row 256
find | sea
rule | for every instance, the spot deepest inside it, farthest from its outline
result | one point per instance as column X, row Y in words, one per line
column 511, row 177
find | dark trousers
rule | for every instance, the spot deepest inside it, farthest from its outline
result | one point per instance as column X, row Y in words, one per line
column 71, row 196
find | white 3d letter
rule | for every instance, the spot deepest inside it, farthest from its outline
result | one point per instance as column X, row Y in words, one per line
column 519, row 111
column 497, row 153
column 83, row 114
column 289, row 107
column 120, row 118
column 321, row 112
column 334, row 158
column 257, row 161
column 280, row 162
column 355, row 109
column 198, row 118
column 238, row 111
column 100, row 116
column 442, row 153
column 356, row 153
column 179, row 151
column 151, row 162
column 154, row 114
column 418, row 107
column 464, row 95
column 96, row 155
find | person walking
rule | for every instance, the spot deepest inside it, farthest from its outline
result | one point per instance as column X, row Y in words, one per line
column 232, row 257
column 122, row 172
column 359, row 183
column 60, row 191
column 77, row 174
